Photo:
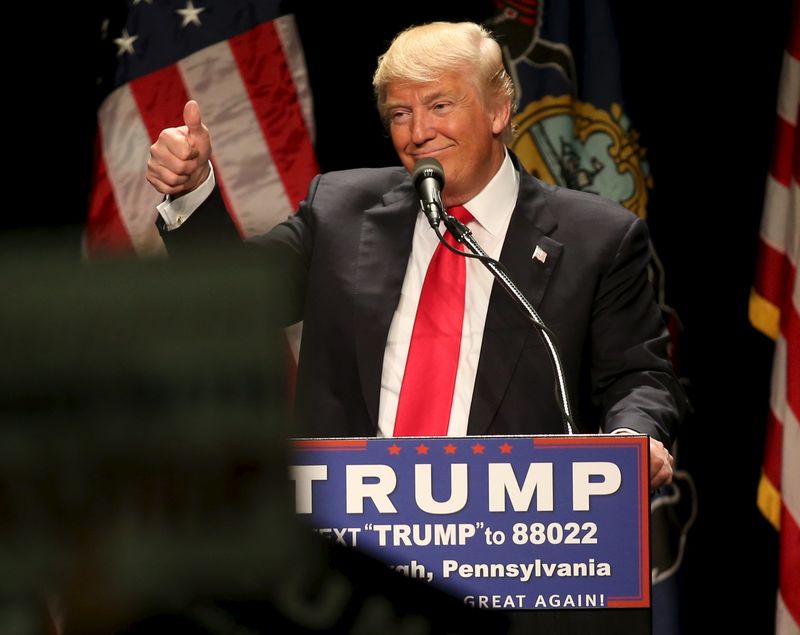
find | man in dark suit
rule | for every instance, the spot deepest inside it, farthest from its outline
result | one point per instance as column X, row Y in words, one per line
column 358, row 251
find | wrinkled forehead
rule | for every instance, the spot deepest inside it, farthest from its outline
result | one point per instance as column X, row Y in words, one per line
column 449, row 85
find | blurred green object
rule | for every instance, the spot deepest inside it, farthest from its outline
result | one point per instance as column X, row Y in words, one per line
column 142, row 428
column 143, row 460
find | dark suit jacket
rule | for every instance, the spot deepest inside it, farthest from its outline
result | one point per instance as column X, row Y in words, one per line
column 346, row 252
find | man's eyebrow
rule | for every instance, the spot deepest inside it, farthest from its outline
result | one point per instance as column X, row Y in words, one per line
column 426, row 99
column 394, row 104
column 433, row 96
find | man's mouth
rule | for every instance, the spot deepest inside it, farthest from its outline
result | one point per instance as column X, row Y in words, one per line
column 421, row 154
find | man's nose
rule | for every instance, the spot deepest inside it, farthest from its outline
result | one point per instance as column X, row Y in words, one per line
column 421, row 128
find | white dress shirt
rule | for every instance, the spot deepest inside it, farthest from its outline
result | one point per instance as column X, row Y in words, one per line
column 175, row 211
column 492, row 209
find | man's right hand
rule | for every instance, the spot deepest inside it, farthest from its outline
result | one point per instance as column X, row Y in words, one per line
column 179, row 158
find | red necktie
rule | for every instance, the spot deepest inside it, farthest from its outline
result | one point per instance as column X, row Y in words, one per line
column 426, row 394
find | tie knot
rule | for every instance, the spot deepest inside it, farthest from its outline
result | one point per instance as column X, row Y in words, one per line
column 461, row 213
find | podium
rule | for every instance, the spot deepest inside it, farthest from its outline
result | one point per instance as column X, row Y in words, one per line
column 552, row 531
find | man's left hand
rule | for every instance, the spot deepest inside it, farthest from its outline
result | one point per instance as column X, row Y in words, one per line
column 661, row 465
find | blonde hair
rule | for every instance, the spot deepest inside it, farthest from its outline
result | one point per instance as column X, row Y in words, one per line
column 424, row 53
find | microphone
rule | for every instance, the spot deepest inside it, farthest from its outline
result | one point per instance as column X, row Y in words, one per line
column 428, row 178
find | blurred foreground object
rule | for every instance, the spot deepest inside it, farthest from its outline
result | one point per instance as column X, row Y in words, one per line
column 143, row 460
column 141, row 454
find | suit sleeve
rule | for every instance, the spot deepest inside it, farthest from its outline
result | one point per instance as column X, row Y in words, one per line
column 286, row 249
column 210, row 224
column 632, row 379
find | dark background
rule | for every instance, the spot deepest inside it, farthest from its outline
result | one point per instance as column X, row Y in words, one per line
column 702, row 86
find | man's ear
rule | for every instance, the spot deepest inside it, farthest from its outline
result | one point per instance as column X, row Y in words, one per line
column 501, row 117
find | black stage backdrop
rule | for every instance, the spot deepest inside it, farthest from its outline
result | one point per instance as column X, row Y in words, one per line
column 707, row 83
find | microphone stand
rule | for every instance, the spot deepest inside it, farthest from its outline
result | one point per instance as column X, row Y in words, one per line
column 463, row 235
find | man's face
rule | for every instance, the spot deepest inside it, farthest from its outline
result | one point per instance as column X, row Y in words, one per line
column 447, row 120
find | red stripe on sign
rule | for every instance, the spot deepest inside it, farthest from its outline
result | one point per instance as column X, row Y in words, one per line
column 789, row 572
column 161, row 97
column 330, row 444
column 559, row 440
column 105, row 231
column 783, row 152
column 772, row 451
column 269, row 83
column 774, row 275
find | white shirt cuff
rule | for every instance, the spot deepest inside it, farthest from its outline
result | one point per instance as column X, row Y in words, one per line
column 175, row 211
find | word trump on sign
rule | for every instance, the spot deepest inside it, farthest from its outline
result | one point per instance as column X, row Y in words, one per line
column 378, row 482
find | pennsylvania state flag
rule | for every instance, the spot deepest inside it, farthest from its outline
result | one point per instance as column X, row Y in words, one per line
column 572, row 130
column 571, row 124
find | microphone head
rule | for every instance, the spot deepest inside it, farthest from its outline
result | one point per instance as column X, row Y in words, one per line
column 428, row 168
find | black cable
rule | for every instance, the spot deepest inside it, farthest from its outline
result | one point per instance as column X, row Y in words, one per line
column 450, row 222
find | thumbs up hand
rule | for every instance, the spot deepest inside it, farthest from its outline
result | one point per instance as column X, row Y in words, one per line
column 178, row 160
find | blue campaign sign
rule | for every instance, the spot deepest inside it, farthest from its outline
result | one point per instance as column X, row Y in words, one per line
column 534, row 522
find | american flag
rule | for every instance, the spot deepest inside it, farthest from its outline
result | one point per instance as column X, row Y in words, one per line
column 243, row 62
column 775, row 310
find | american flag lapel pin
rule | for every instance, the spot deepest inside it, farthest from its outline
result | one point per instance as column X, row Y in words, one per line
column 539, row 254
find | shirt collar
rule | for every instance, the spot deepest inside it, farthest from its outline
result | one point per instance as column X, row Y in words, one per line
column 492, row 206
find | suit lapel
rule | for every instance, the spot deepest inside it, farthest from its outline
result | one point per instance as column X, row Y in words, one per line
column 507, row 328
column 383, row 253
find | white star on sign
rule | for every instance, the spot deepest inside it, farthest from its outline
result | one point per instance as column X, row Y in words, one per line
column 191, row 15
column 125, row 42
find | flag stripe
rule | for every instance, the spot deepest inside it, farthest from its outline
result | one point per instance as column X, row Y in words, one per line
column 184, row 81
column 286, row 29
column 789, row 572
column 796, row 164
column 790, row 468
column 787, row 460
column 789, row 88
column 160, row 97
column 242, row 162
column 775, row 275
column 778, row 217
column 772, row 454
column 269, row 83
column 126, row 150
column 784, row 623
column 105, row 230
column 790, row 436
column 782, row 156
column 790, row 327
